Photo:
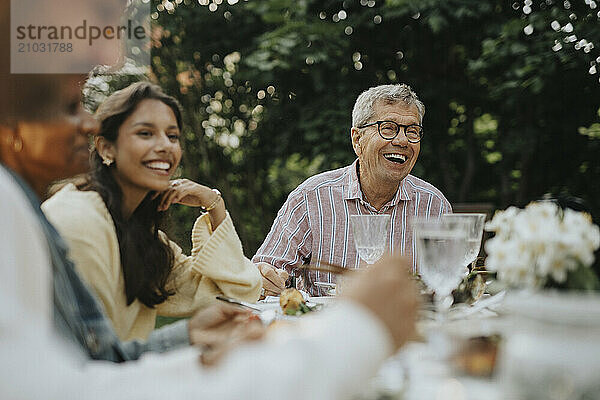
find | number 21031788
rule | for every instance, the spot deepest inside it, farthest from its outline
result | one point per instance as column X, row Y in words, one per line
column 45, row 47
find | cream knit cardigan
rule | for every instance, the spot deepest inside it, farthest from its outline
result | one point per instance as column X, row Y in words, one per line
column 217, row 264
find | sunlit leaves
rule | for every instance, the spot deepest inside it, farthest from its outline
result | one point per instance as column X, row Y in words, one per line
column 268, row 87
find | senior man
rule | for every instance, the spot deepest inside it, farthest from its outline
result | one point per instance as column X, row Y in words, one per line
column 313, row 224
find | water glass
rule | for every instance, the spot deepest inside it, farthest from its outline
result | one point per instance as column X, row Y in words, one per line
column 370, row 235
column 441, row 247
column 475, row 223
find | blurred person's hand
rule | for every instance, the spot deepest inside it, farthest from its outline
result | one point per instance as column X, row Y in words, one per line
column 387, row 291
column 273, row 279
column 221, row 327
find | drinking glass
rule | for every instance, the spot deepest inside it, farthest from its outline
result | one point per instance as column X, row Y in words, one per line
column 441, row 247
column 370, row 235
column 475, row 224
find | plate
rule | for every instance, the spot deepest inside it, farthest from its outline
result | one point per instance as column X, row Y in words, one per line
column 271, row 311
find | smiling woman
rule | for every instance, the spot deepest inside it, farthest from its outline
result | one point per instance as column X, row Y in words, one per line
column 112, row 220
column 146, row 149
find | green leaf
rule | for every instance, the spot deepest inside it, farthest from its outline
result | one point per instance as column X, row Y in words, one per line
column 583, row 278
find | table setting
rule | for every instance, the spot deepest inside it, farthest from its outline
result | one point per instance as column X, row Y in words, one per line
column 539, row 316
column 521, row 324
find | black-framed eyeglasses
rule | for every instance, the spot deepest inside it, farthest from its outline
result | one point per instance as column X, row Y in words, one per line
column 389, row 130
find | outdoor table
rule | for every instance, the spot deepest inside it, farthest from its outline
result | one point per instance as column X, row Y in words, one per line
column 549, row 348
column 422, row 369
column 417, row 371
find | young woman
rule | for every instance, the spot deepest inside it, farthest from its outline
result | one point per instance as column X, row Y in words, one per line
column 111, row 221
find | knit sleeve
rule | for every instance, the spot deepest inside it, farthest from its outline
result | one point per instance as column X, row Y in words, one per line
column 93, row 247
column 216, row 266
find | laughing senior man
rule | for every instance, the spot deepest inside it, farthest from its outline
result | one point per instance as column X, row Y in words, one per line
column 313, row 224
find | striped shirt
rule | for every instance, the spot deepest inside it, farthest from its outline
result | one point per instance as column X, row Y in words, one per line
column 314, row 223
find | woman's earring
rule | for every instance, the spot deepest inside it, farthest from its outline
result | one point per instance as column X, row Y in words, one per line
column 107, row 161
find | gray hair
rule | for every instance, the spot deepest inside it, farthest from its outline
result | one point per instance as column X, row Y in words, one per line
column 389, row 94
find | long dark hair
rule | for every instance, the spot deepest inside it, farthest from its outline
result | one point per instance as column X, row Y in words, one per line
column 146, row 259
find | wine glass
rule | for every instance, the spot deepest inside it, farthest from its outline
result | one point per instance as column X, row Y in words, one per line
column 370, row 235
column 441, row 247
column 475, row 224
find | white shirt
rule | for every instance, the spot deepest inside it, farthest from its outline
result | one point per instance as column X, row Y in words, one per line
column 325, row 356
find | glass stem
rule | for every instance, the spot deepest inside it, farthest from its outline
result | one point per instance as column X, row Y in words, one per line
column 442, row 305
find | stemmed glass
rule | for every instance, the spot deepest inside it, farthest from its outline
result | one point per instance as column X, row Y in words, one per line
column 475, row 223
column 370, row 235
column 441, row 247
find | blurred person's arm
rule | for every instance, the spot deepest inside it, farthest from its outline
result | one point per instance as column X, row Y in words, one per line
column 327, row 356
column 166, row 338
column 31, row 354
column 330, row 354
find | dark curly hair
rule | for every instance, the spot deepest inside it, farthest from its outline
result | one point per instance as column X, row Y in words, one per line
column 146, row 259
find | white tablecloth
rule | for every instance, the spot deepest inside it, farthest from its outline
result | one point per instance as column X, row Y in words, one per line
column 550, row 348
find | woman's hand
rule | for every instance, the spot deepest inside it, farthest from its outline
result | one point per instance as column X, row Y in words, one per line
column 190, row 193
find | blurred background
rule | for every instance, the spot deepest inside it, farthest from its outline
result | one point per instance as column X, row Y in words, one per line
column 511, row 90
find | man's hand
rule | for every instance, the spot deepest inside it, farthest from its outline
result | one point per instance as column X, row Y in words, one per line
column 221, row 327
column 386, row 290
column 273, row 279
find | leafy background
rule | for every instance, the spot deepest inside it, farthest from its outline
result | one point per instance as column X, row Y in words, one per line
column 267, row 87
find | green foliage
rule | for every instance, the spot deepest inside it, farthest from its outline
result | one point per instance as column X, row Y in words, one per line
column 285, row 175
column 582, row 278
column 268, row 88
column 593, row 131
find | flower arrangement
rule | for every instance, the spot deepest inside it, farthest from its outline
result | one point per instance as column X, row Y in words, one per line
column 543, row 245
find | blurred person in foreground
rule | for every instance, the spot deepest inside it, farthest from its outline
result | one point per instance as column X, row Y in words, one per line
column 44, row 136
column 313, row 224
column 113, row 221
column 326, row 356
column 36, row 148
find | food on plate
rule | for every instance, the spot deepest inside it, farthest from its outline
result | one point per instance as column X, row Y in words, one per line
column 292, row 302
column 471, row 288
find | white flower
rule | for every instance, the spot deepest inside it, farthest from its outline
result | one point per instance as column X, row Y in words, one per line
column 519, row 275
column 502, row 220
column 553, row 263
column 542, row 209
column 540, row 242
column 509, row 259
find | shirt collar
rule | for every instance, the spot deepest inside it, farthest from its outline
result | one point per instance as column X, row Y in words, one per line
column 355, row 192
